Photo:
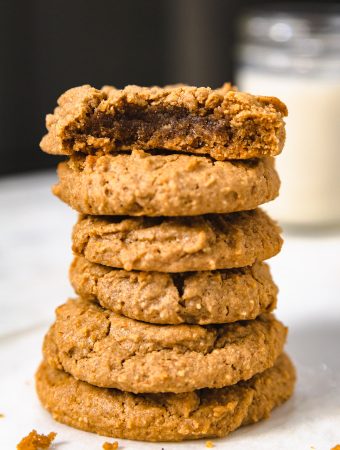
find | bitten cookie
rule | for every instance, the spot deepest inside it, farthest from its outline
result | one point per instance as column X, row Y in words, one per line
column 144, row 184
column 224, row 123
column 178, row 244
column 207, row 297
column 102, row 348
column 164, row 417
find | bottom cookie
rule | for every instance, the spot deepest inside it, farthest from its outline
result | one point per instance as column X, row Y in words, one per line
column 164, row 417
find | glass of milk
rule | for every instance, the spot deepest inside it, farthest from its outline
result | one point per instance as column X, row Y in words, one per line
column 295, row 55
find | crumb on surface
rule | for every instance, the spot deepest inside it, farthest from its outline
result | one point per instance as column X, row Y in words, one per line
column 2, row 416
column 209, row 444
column 110, row 446
column 36, row 441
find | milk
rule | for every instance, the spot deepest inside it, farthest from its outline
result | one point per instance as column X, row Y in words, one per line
column 310, row 163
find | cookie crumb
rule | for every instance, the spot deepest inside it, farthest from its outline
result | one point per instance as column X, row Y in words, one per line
column 110, row 446
column 209, row 444
column 36, row 441
column 2, row 416
column 337, row 447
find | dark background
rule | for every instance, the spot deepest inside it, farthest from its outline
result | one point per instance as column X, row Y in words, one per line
column 50, row 46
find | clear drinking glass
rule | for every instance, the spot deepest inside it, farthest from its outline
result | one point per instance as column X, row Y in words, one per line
column 295, row 55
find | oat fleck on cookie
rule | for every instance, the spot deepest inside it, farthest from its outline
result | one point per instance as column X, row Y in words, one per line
column 36, row 441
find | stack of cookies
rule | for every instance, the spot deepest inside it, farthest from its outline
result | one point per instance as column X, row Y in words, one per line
column 172, row 335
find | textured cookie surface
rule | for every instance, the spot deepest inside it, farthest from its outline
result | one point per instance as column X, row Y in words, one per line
column 142, row 184
column 164, row 417
column 207, row 297
column 223, row 123
column 178, row 244
column 108, row 350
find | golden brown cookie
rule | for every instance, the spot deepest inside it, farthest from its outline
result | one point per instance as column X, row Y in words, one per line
column 207, row 297
column 224, row 123
column 102, row 348
column 143, row 184
column 178, row 244
column 164, row 417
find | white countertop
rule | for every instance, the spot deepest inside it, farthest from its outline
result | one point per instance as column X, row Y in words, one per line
column 34, row 258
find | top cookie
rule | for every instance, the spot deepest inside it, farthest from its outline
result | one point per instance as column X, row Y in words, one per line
column 224, row 123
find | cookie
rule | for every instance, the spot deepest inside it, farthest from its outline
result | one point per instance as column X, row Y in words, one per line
column 164, row 417
column 178, row 244
column 144, row 184
column 223, row 123
column 108, row 350
column 207, row 297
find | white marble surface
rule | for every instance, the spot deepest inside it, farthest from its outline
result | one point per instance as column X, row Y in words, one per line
column 34, row 251
column 34, row 258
